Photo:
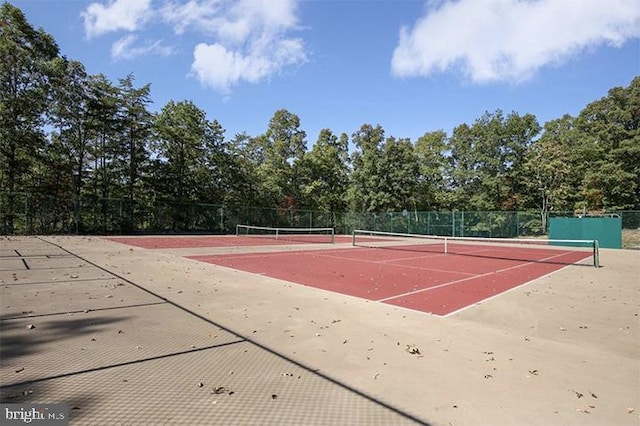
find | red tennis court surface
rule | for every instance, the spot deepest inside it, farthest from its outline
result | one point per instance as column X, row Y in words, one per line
column 431, row 282
column 172, row 242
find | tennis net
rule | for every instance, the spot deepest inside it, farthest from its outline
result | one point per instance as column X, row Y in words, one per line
column 302, row 235
column 531, row 250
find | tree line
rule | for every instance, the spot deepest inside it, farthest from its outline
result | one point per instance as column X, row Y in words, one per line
column 70, row 135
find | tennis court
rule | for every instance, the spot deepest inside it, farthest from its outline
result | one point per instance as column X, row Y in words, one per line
column 437, row 277
column 246, row 236
column 127, row 335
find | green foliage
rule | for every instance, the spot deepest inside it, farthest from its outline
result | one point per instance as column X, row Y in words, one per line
column 284, row 146
column 325, row 173
column 26, row 57
column 366, row 176
column 103, row 106
column 612, row 125
column 385, row 173
column 135, row 125
column 487, row 160
column 182, row 136
column 399, row 174
column 434, row 171
column 549, row 173
column 245, row 154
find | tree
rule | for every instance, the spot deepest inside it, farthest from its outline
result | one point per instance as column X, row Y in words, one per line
column 464, row 178
column 135, row 125
column 181, row 134
column 399, row 172
column 435, row 174
column 364, row 191
column 550, row 170
column 488, row 157
column 72, row 118
column 325, row 173
column 246, row 155
column 213, row 176
column 284, row 146
column 612, row 126
column 26, row 56
column 104, row 106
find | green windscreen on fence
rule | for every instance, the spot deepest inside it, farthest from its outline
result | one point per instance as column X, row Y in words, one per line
column 607, row 230
column 38, row 213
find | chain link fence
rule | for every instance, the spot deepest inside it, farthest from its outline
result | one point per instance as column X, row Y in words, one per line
column 29, row 214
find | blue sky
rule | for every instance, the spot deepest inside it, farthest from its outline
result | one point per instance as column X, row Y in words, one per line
column 412, row 66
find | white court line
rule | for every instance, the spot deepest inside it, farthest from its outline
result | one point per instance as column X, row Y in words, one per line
column 468, row 278
column 238, row 255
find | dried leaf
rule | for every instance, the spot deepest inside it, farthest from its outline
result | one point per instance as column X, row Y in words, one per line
column 578, row 394
column 413, row 350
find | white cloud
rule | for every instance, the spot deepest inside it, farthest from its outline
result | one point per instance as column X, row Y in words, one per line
column 222, row 68
column 232, row 21
column 252, row 39
column 192, row 14
column 241, row 40
column 509, row 40
column 124, row 48
column 117, row 15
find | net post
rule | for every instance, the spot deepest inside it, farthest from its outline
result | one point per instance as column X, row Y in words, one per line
column 333, row 232
column 237, row 230
column 277, row 230
column 353, row 238
column 596, row 253
column 446, row 245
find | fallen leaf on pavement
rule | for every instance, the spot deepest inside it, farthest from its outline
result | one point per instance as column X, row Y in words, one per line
column 413, row 350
